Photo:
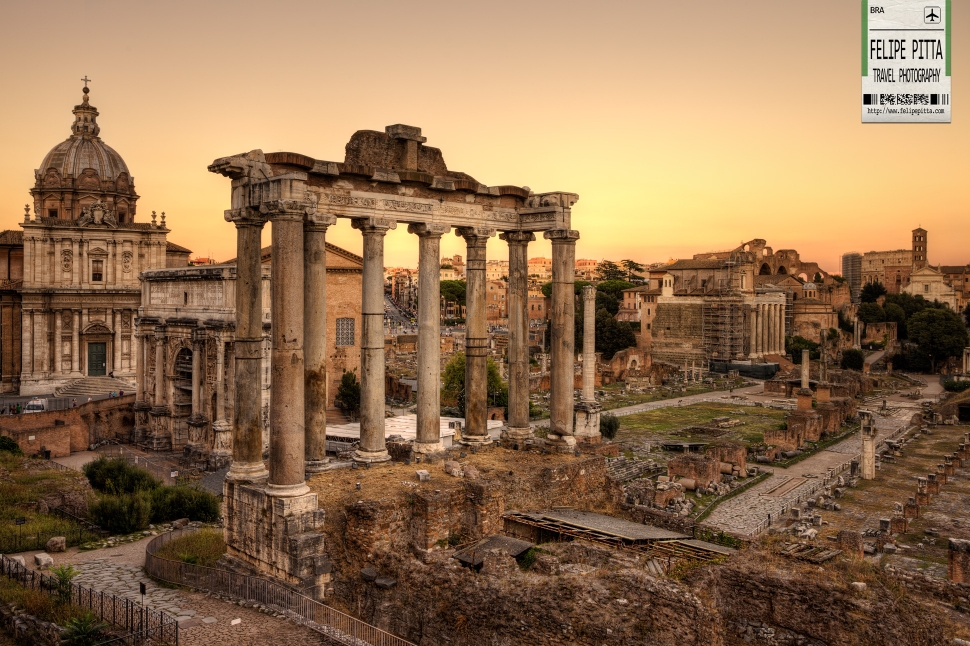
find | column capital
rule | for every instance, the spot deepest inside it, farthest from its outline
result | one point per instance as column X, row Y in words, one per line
column 517, row 237
column 244, row 217
column 428, row 229
column 562, row 235
column 319, row 221
column 373, row 225
column 475, row 235
column 589, row 293
column 290, row 209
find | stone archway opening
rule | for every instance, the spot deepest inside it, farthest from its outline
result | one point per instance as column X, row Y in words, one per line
column 782, row 271
column 765, row 270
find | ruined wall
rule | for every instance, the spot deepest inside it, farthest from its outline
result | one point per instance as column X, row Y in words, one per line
column 73, row 429
column 703, row 469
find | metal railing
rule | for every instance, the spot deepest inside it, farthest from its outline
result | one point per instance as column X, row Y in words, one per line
column 142, row 622
column 336, row 625
column 161, row 471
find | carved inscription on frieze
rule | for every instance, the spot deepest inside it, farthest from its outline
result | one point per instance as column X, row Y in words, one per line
column 191, row 294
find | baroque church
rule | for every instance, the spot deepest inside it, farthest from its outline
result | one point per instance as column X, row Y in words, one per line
column 69, row 281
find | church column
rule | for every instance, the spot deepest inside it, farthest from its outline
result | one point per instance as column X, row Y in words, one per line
column 518, row 426
column 247, row 430
column 116, row 350
column 562, row 325
column 198, row 339
column 428, row 438
column 28, row 340
column 109, row 263
column 287, row 409
column 372, row 442
column 315, row 338
column 76, row 343
column 58, row 350
column 753, row 342
column 476, row 337
column 119, row 267
column 160, row 403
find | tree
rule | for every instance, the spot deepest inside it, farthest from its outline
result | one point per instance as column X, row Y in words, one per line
column 453, row 290
column 966, row 315
column 348, row 395
column 611, row 335
column 852, row 359
column 794, row 346
column 895, row 314
column 609, row 425
column 609, row 270
column 872, row 291
column 614, row 287
column 453, row 383
column 940, row 333
column 86, row 630
column 871, row 313
column 633, row 270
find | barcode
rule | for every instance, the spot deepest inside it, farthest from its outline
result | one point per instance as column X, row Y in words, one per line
column 870, row 99
column 939, row 99
column 905, row 99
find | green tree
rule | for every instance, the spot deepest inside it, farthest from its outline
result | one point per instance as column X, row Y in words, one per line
column 611, row 335
column 852, row 359
column 453, row 383
column 64, row 588
column 966, row 315
column 940, row 333
column 609, row 270
column 872, row 291
column 633, row 270
column 453, row 290
column 614, row 287
column 609, row 425
column 895, row 314
column 348, row 395
column 794, row 346
column 910, row 304
column 871, row 313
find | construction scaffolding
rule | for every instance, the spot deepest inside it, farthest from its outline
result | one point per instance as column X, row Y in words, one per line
column 723, row 327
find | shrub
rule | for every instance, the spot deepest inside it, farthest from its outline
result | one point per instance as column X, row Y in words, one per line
column 852, row 359
column 204, row 548
column 8, row 445
column 122, row 514
column 609, row 425
column 86, row 630
column 64, row 587
column 954, row 386
column 116, row 476
column 171, row 503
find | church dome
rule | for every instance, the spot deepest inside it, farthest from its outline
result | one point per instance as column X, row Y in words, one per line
column 84, row 150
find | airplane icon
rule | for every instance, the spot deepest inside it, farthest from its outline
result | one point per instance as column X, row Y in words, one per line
column 930, row 15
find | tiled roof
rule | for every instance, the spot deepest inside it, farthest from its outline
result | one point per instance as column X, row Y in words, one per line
column 697, row 264
column 171, row 246
column 11, row 237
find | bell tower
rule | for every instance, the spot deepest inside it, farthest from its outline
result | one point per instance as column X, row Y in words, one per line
column 919, row 249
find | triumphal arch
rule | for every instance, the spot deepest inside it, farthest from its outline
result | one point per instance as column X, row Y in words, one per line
column 387, row 179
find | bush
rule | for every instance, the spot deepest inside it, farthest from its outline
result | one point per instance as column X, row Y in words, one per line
column 116, row 476
column 86, row 630
column 955, row 386
column 122, row 514
column 203, row 548
column 171, row 503
column 609, row 425
column 8, row 445
column 64, row 587
column 852, row 359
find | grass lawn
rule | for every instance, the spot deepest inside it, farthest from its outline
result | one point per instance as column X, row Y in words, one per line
column 203, row 547
column 671, row 423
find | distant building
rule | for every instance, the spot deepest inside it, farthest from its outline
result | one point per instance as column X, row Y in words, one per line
column 586, row 269
column 540, row 268
column 893, row 268
column 852, row 272
column 496, row 302
column 931, row 284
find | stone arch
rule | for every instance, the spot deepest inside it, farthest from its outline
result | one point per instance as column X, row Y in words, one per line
column 803, row 277
column 765, row 270
column 782, row 271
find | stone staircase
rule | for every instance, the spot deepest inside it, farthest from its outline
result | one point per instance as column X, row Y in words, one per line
column 93, row 386
column 624, row 469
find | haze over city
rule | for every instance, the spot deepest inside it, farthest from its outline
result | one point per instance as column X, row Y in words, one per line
column 681, row 131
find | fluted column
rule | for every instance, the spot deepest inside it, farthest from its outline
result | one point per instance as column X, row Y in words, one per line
column 373, row 447
column 138, row 339
column 58, row 349
column 247, row 430
column 315, row 339
column 428, row 438
column 772, row 329
column 753, row 342
column 76, row 343
column 518, row 427
column 287, row 411
column 764, row 329
column 781, row 329
column 562, row 326
column 197, row 341
column 476, row 337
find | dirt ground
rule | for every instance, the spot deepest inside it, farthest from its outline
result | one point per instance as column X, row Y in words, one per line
column 671, row 423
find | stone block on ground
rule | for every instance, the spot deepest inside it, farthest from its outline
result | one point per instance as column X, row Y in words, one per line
column 423, row 476
column 368, row 574
column 858, row 586
column 453, row 468
column 385, row 582
column 472, row 473
column 180, row 523
column 43, row 560
column 57, row 544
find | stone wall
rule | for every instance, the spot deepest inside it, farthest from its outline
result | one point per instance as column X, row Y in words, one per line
column 73, row 429
column 731, row 453
column 702, row 469
column 958, row 569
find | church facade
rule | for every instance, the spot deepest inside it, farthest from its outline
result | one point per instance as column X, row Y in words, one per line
column 82, row 252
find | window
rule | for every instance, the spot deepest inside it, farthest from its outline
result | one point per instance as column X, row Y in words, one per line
column 345, row 332
column 97, row 269
column 926, row 287
column 52, row 213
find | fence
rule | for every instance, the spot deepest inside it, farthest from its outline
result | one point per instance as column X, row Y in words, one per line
column 339, row 627
column 161, row 471
column 13, row 539
column 142, row 623
column 53, row 403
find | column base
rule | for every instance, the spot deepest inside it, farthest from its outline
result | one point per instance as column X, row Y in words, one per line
column 561, row 443
column 371, row 457
column 427, row 448
column 219, row 460
column 517, row 434
column 316, row 466
column 475, row 440
column 243, row 472
column 287, row 491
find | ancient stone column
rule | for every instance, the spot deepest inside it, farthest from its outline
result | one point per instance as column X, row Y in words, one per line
column 315, row 339
column 781, row 329
column 589, row 342
column 958, row 563
column 138, row 339
column 247, row 430
column 57, row 342
column 753, row 342
column 428, row 438
column 868, row 466
column 160, row 405
column 476, row 337
column 372, row 443
column 561, row 378
column 518, row 428
column 116, row 346
column 857, row 335
column 287, row 420
column 765, row 341
column 196, row 374
column 806, row 369
column 76, row 343
column 221, row 429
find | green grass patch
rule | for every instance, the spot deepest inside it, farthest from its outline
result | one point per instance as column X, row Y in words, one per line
column 37, row 603
column 672, row 423
column 204, row 547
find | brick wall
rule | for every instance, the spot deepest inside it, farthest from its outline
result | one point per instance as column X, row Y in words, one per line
column 702, row 469
column 88, row 423
column 958, row 569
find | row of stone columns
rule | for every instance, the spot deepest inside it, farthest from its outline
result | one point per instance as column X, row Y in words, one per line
column 767, row 329
column 298, row 397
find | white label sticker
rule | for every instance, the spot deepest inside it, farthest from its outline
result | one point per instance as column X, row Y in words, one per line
column 906, row 61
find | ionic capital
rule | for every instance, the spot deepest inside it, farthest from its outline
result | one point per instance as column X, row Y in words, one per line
column 245, row 217
column 568, row 236
column 280, row 209
column 378, row 226
column 429, row 230
column 517, row 237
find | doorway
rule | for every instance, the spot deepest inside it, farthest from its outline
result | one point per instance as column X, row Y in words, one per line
column 97, row 359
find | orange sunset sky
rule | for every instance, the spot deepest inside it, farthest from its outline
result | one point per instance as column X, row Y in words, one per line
column 684, row 127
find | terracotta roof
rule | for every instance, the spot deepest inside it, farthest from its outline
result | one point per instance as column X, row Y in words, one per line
column 171, row 246
column 946, row 269
column 11, row 284
column 11, row 237
column 697, row 264
column 644, row 289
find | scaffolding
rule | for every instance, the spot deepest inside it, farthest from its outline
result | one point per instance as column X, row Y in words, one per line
column 723, row 327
